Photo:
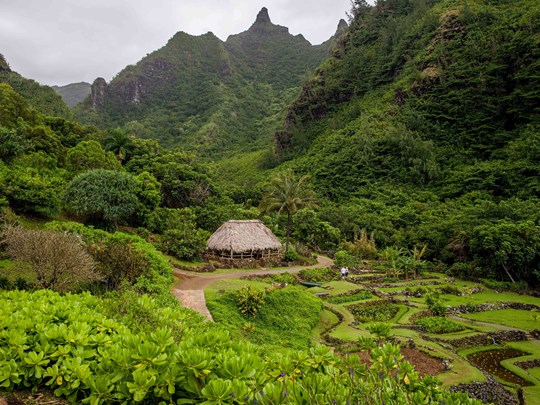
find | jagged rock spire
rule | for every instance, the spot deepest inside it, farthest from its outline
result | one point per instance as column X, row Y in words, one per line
column 342, row 27
column 263, row 17
column 3, row 64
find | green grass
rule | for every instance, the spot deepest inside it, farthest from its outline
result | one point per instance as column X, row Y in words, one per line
column 534, row 372
column 336, row 287
column 531, row 347
column 286, row 319
column 489, row 296
column 344, row 331
column 359, row 296
column 439, row 325
column 12, row 271
column 532, row 395
column 328, row 320
column 230, row 285
column 514, row 318
column 184, row 262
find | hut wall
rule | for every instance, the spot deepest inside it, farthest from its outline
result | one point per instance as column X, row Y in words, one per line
column 246, row 260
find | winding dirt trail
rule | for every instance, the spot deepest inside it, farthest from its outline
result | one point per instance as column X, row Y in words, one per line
column 189, row 289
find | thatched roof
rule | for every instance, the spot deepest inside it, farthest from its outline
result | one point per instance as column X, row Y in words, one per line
column 243, row 236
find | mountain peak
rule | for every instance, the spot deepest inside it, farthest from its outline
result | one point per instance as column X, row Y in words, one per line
column 263, row 17
column 3, row 64
column 341, row 28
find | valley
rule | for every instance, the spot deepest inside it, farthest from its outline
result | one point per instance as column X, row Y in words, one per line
column 405, row 148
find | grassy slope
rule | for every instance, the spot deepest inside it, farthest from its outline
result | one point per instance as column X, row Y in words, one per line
column 286, row 319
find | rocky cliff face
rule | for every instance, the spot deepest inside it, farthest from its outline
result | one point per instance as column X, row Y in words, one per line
column 4, row 66
column 98, row 91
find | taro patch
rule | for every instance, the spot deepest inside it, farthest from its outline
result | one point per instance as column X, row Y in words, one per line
column 374, row 311
column 490, row 361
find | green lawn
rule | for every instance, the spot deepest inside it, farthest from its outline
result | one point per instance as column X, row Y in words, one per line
column 12, row 272
column 336, row 287
column 328, row 320
column 490, row 296
column 514, row 318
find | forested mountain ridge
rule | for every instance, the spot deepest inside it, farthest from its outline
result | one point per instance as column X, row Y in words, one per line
column 207, row 94
column 73, row 93
column 43, row 98
column 458, row 74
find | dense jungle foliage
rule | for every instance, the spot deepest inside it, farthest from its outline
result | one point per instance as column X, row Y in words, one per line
column 424, row 129
column 421, row 130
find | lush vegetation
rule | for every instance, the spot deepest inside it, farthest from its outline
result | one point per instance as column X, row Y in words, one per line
column 418, row 139
column 275, row 319
column 232, row 92
column 374, row 311
column 68, row 344
column 423, row 129
column 438, row 324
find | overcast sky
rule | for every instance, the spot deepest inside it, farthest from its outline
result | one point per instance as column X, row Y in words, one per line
column 66, row 41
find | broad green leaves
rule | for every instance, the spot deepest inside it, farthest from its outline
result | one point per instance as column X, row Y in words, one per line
column 67, row 344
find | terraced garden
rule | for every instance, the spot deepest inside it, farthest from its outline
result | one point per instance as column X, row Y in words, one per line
column 483, row 340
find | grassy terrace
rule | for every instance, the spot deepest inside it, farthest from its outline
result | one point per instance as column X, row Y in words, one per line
column 348, row 330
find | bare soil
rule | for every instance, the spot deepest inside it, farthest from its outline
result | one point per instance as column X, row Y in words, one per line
column 423, row 363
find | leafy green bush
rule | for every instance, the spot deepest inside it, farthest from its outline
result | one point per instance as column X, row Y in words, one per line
column 380, row 330
column 187, row 244
column 519, row 286
column 343, row 258
column 435, row 304
column 4, row 283
column 451, row 289
column 320, row 274
column 68, row 344
column 250, row 300
column 290, row 255
column 102, row 197
column 362, row 246
column 438, row 324
column 276, row 278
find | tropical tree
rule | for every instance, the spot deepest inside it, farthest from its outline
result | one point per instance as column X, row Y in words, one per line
column 102, row 197
column 119, row 142
column 286, row 194
column 89, row 155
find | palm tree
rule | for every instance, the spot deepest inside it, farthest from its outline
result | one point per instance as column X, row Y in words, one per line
column 119, row 142
column 287, row 194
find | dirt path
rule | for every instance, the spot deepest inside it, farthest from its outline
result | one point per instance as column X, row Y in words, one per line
column 198, row 281
column 189, row 288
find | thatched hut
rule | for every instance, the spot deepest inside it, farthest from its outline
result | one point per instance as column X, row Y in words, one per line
column 243, row 240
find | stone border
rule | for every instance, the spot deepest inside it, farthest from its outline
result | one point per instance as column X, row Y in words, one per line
column 489, row 391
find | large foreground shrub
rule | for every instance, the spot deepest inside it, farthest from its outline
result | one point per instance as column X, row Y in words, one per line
column 67, row 344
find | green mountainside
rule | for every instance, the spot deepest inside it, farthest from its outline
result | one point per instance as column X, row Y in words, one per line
column 73, row 93
column 207, row 94
column 424, row 129
column 43, row 98
column 411, row 155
